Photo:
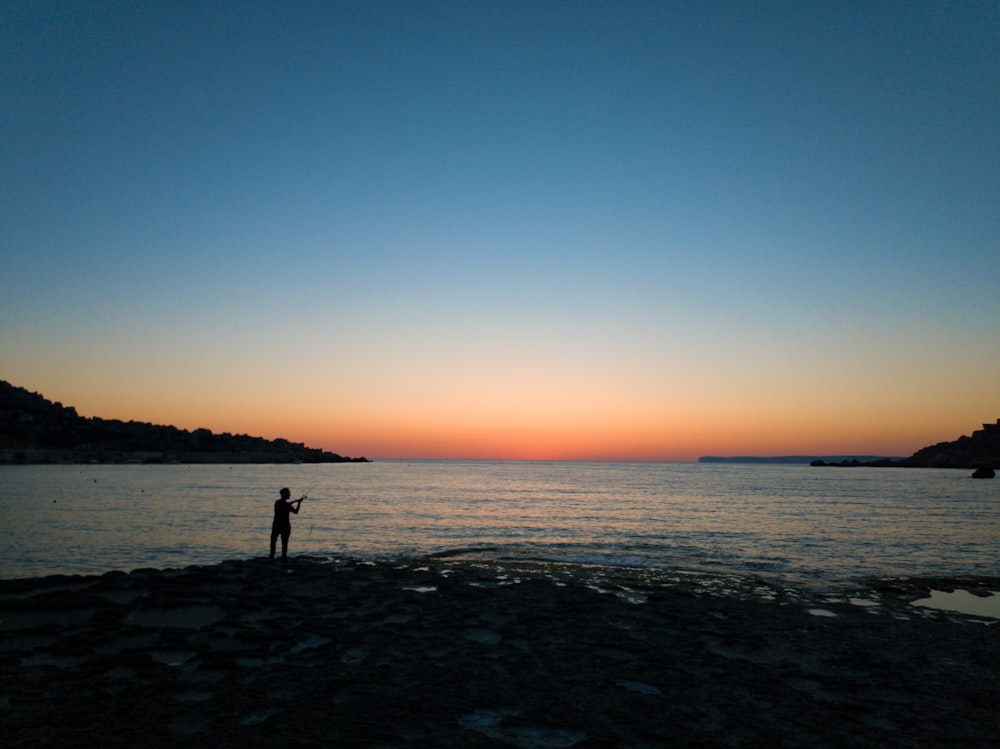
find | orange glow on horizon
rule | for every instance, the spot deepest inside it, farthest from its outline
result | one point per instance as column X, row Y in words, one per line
column 533, row 426
column 683, row 443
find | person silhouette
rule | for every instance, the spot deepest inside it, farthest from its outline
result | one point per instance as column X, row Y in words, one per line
column 282, row 523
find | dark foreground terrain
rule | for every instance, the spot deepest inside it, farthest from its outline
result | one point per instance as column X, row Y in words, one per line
column 435, row 653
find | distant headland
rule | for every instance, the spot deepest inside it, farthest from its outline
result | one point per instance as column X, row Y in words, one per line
column 791, row 459
column 981, row 450
column 36, row 430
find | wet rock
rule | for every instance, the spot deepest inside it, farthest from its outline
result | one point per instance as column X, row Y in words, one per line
column 343, row 653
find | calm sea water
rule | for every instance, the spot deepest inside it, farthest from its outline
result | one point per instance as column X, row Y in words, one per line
column 815, row 526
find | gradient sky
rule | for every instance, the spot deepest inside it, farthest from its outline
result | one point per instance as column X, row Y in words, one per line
column 594, row 230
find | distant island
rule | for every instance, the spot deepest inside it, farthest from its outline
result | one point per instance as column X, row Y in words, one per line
column 981, row 450
column 36, row 430
column 790, row 459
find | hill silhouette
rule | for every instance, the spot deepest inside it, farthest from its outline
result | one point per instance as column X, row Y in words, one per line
column 980, row 450
column 36, row 430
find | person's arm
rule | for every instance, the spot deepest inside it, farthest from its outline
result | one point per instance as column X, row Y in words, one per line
column 294, row 506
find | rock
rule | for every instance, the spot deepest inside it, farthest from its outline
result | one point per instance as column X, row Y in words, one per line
column 984, row 473
column 982, row 448
column 322, row 652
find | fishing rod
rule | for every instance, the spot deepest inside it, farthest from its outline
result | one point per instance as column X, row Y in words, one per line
column 304, row 496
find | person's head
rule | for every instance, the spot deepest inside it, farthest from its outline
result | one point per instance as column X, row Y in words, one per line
column 286, row 493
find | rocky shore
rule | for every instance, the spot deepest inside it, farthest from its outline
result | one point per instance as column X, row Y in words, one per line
column 441, row 653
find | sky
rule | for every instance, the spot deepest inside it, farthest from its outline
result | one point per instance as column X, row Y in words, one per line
column 527, row 230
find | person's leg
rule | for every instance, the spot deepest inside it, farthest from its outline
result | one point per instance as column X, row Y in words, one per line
column 274, row 538
column 284, row 544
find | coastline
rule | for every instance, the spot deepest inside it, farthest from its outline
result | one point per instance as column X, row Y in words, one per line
column 439, row 652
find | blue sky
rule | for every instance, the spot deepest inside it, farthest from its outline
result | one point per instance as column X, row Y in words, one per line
column 325, row 220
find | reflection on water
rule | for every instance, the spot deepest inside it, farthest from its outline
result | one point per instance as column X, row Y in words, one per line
column 812, row 526
column 963, row 602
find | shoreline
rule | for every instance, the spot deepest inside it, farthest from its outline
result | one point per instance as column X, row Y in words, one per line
column 439, row 652
column 724, row 579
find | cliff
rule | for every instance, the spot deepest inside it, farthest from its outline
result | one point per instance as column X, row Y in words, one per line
column 36, row 430
column 980, row 450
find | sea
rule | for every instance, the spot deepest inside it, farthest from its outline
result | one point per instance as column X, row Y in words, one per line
column 819, row 527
